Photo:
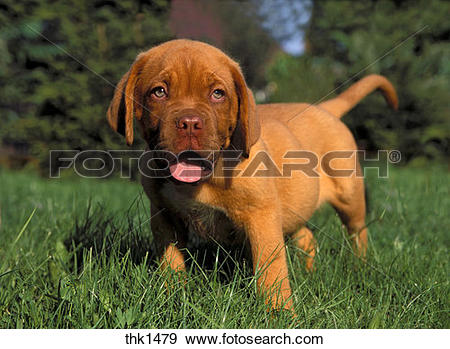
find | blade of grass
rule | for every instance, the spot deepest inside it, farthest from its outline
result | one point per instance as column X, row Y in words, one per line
column 24, row 227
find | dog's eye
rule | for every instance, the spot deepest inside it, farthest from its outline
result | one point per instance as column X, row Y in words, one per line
column 218, row 94
column 159, row 92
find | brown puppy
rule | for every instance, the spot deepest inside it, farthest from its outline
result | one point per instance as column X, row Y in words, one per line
column 189, row 96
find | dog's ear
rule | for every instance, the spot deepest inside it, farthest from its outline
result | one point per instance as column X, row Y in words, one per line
column 127, row 102
column 248, row 128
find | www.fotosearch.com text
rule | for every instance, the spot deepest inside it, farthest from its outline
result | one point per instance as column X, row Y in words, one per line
column 172, row 338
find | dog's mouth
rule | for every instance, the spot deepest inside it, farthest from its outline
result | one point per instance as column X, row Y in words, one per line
column 191, row 167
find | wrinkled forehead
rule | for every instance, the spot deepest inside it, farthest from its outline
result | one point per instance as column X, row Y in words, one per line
column 194, row 65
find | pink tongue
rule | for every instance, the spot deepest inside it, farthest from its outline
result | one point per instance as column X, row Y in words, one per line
column 185, row 172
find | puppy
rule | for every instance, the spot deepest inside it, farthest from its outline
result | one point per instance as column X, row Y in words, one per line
column 194, row 109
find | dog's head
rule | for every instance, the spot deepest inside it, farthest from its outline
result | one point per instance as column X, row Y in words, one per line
column 187, row 97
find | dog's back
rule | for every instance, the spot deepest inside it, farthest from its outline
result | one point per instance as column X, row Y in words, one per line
column 320, row 130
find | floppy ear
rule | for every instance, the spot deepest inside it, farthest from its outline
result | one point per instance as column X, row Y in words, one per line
column 127, row 102
column 248, row 128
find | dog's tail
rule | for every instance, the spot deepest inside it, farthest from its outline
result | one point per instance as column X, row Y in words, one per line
column 349, row 98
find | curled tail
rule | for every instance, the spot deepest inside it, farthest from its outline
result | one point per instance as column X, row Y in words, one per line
column 349, row 98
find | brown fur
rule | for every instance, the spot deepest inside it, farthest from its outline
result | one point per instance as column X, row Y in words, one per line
column 260, row 211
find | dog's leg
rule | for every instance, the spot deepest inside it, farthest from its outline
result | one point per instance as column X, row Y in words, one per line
column 167, row 243
column 352, row 211
column 305, row 241
column 172, row 257
column 269, row 264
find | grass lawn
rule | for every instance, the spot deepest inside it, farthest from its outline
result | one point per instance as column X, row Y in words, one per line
column 76, row 253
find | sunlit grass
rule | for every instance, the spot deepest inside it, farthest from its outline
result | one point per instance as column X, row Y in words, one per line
column 77, row 254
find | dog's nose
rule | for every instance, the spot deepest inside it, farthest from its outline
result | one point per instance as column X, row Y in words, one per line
column 192, row 125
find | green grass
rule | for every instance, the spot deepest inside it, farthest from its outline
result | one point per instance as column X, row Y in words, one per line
column 77, row 254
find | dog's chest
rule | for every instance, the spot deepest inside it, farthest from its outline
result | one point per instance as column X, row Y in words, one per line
column 201, row 221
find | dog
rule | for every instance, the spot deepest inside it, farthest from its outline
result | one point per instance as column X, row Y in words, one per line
column 190, row 98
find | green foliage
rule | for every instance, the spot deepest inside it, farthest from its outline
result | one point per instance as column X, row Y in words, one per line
column 60, row 62
column 246, row 40
column 71, row 267
column 59, row 65
column 299, row 79
column 406, row 41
